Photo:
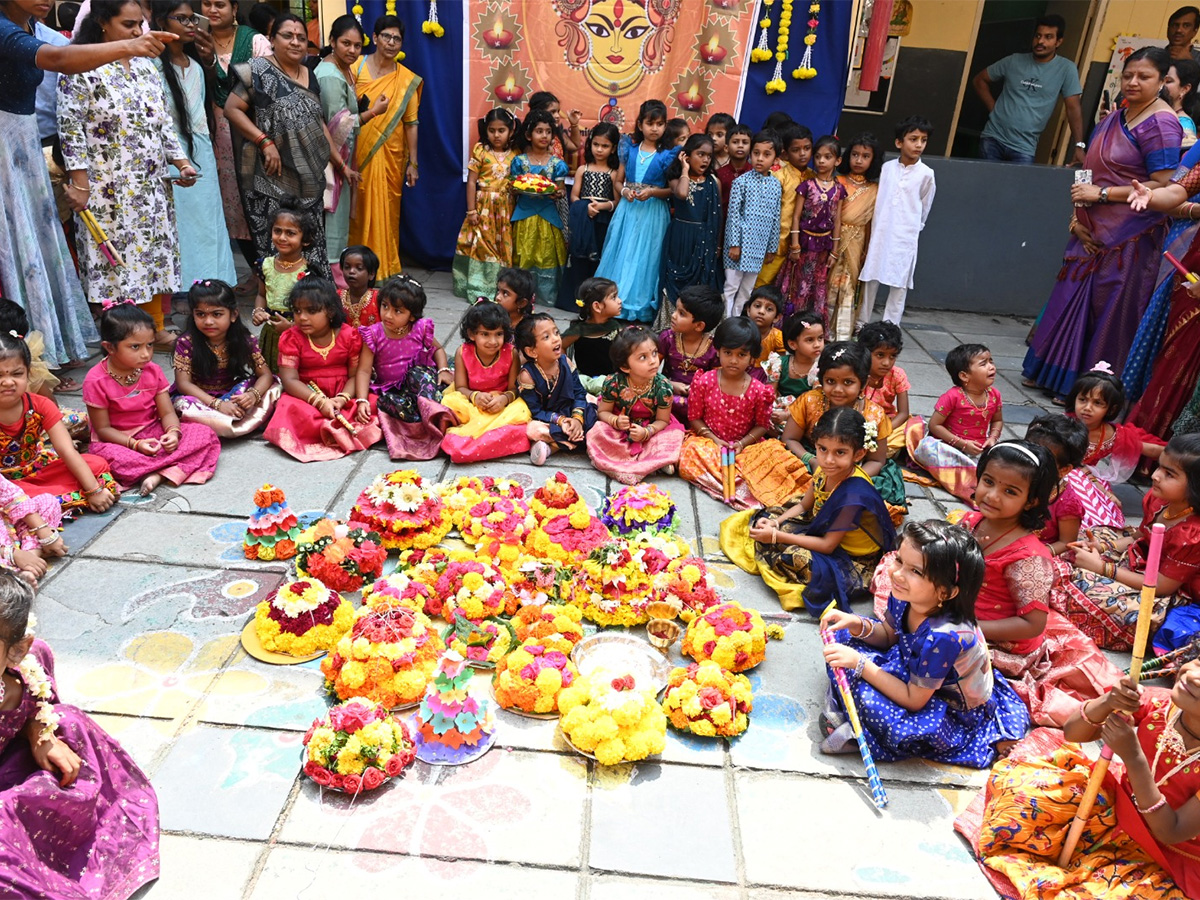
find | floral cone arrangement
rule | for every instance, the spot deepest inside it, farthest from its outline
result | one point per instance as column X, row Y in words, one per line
column 388, row 656
column 497, row 527
column 403, row 511
column 609, row 719
column 613, row 587
column 452, row 726
column 273, row 528
column 558, row 497
column 686, row 584
column 357, row 747
column 399, row 590
column 568, row 531
column 465, row 491
column 656, row 549
column 531, row 678
column 637, row 508
column 472, row 589
column 707, row 700
column 537, row 581
column 342, row 557
column 481, row 644
column 302, row 618
column 729, row 634
column 545, row 620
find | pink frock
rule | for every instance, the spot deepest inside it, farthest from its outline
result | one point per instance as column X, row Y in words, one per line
column 613, row 453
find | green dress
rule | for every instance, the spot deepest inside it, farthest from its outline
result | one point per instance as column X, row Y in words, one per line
column 340, row 106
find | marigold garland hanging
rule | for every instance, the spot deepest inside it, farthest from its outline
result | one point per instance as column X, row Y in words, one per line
column 805, row 70
column 431, row 24
column 777, row 85
column 762, row 52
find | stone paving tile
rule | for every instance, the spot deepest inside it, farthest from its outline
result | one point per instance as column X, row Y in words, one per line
column 249, row 692
column 687, row 801
column 613, row 887
column 508, row 806
column 178, row 539
column 910, row 839
column 303, row 872
column 227, row 783
column 145, row 739
column 223, row 867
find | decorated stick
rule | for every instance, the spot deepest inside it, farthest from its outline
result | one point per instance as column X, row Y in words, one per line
column 878, row 794
column 338, row 417
column 731, row 474
column 1141, row 638
column 101, row 239
column 1188, row 276
column 725, row 474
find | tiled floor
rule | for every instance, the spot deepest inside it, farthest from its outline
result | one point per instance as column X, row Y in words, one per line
column 145, row 614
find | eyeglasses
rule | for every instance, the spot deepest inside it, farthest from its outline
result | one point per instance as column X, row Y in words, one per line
column 386, row 38
column 185, row 20
column 294, row 38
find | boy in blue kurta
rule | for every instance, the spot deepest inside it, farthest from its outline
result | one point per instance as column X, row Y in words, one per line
column 752, row 229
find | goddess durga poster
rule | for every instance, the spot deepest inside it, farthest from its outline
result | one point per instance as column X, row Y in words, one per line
column 605, row 57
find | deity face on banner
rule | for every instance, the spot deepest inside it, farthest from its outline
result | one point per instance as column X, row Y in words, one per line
column 616, row 42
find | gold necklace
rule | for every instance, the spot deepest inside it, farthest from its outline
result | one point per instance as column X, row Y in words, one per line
column 550, row 382
column 354, row 308
column 285, row 266
column 1171, row 743
column 127, row 380
column 1167, row 517
column 688, row 363
column 323, row 352
column 228, row 48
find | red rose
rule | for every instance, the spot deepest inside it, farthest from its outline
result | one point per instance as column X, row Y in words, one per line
column 322, row 776
column 394, row 765
column 710, row 698
column 710, row 647
column 353, row 717
column 351, row 784
column 741, row 658
column 371, row 779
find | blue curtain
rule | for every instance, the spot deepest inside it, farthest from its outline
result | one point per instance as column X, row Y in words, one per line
column 432, row 212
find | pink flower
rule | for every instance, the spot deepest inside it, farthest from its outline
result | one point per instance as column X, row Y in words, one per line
column 322, row 776
column 350, row 718
column 710, row 698
column 394, row 765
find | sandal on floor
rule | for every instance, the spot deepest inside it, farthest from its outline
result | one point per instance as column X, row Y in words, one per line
column 66, row 385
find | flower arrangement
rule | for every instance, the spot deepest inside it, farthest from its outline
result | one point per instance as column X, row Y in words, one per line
column 606, row 717
column 805, row 70
column 465, row 491
column 481, row 644
column 729, row 634
column 357, row 746
column 533, row 183
column 656, row 549
column 870, row 437
column 685, row 582
column 558, row 497
column 341, row 557
column 273, row 528
column 533, row 675
column 302, row 618
column 497, row 527
column 431, row 25
column 38, row 683
column 562, row 542
column 638, row 508
column 403, row 511
column 543, row 620
column 613, row 586
column 471, row 588
column 387, row 655
column 706, row 700
column 537, row 581
column 398, row 589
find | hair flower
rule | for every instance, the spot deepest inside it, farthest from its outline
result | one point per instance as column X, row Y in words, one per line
column 870, row 436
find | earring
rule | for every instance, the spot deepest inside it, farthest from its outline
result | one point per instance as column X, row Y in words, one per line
column 1, row 687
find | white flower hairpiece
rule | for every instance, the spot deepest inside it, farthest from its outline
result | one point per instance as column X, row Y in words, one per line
column 870, row 436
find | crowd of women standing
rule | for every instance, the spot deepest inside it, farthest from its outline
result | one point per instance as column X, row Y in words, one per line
column 165, row 132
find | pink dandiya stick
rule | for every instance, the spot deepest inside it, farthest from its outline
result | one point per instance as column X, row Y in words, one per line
column 1189, row 276
column 1140, row 639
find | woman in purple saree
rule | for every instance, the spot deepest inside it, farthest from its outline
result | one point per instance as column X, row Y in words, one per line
column 1111, row 262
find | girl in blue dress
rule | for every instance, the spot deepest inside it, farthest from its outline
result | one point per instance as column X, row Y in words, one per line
column 922, row 677
column 633, row 247
column 538, row 242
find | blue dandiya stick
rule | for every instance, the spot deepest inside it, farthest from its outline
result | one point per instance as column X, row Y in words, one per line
column 878, row 794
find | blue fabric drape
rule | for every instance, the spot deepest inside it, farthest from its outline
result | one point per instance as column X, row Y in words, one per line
column 432, row 212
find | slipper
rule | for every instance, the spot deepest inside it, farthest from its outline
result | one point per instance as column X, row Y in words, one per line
column 1029, row 383
column 1058, row 401
column 66, row 386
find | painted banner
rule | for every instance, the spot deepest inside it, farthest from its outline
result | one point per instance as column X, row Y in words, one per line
column 604, row 57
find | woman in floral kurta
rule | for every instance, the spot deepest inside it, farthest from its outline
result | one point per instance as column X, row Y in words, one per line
column 114, row 125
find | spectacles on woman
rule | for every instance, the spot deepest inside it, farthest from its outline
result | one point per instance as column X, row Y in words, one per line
column 185, row 20
column 386, row 38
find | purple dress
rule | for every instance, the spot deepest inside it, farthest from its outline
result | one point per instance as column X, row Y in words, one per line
column 678, row 366
column 404, row 376
column 804, row 281
column 94, row 840
column 1094, row 310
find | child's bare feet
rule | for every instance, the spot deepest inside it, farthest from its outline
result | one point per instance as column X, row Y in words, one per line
column 149, row 483
column 29, row 565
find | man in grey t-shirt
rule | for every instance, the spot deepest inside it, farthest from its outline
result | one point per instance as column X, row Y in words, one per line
column 1033, row 82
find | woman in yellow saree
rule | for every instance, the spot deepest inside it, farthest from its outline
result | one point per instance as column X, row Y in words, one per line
column 386, row 155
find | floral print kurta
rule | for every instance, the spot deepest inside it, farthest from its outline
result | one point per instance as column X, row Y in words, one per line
column 114, row 123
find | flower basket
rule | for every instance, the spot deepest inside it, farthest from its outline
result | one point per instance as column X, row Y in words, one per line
column 547, row 619
column 613, row 586
column 341, row 557
column 729, row 634
column 481, row 644
column 531, row 678
column 302, row 618
column 638, row 508
column 705, row 699
column 403, row 511
column 686, row 583
column 358, row 746
column 607, row 718
column 399, row 590
column 388, row 656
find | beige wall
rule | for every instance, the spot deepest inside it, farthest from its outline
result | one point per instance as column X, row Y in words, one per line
column 941, row 24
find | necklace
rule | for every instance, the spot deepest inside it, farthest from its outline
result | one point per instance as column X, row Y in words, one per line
column 225, row 48
column 323, row 352
column 688, row 364
column 857, row 179
column 974, row 406
column 277, row 64
column 495, row 359
column 1171, row 744
column 354, row 308
column 1167, row 517
column 794, row 372
column 127, row 380
column 550, row 382
column 993, row 539
column 633, row 394
column 282, row 265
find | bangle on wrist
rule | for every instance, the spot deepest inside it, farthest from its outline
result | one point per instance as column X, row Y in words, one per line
column 862, row 665
column 1083, row 714
column 96, row 490
column 1154, row 807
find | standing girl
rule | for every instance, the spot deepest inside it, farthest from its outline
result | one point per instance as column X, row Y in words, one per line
column 538, row 243
column 1097, row 399
column 292, row 231
column 633, row 248
column 359, row 266
column 923, row 683
column 816, row 232
column 598, row 183
column 827, row 545
column 636, row 435
column 1052, row 664
column 485, row 242
column 316, row 418
column 134, row 425
column 590, row 337
column 860, row 179
column 729, row 409
column 403, row 364
column 491, row 417
column 558, row 404
column 693, row 238
column 221, row 379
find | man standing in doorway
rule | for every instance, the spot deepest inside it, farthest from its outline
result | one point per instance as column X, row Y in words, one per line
column 1181, row 31
column 1033, row 82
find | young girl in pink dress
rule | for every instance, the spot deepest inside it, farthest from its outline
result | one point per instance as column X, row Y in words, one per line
column 134, row 426
column 403, row 364
column 316, row 418
column 636, row 435
column 967, row 420
column 359, row 267
column 1097, row 398
column 491, row 417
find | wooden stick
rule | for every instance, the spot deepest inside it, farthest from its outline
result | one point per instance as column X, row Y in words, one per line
column 1141, row 637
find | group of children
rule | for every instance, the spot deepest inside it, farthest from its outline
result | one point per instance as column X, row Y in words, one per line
column 662, row 209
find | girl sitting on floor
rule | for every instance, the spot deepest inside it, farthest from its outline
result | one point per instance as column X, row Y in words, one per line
column 1097, row 398
column 588, row 338
column 491, row 417
column 922, row 680
column 316, row 418
column 221, row 378
column 827, row 545
column 887, row 384
column 134, row 425
column 516, row 291
column 558, row 404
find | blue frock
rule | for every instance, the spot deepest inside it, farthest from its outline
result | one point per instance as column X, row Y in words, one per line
column 972, row 708
column 634, row 244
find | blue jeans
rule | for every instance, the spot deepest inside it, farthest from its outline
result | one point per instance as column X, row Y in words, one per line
column 990, row 148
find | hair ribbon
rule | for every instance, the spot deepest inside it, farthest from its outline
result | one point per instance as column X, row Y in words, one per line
column 110, row 302
column 1103, row 368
